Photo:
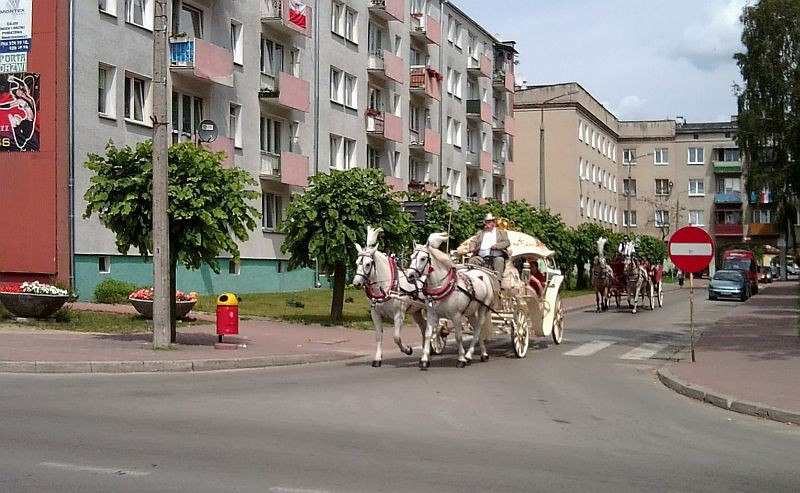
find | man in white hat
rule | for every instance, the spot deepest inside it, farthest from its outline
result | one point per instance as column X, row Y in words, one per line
column 490, row 246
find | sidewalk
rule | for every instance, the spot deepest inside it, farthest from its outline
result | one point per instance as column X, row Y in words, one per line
column 748, row 362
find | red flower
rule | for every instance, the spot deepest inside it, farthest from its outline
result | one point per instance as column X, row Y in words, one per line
column 11, row 288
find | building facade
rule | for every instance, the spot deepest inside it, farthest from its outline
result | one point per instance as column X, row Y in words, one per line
column 644, row 177
column 412, row 87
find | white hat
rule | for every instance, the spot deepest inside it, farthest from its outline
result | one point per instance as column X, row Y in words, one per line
column 489, row 217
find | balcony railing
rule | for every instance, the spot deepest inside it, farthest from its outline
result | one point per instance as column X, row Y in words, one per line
column 425, row 80
column 759, row 229
column 728, row 167
column 479, row 109
column 290, row 18
column 286, row 91
column 425, row 28
column 385, row 125
column 288, row 168
column 201, row 60
column 728, row 229
column 482, row 67
column 728, row 198
column 388, row 10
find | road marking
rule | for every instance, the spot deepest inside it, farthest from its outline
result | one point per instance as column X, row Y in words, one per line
column 92, row 469
column 281, row 489
column 589, row 348
column 645, row 351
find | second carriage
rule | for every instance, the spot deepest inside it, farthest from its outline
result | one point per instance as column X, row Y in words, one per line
column 654, row 290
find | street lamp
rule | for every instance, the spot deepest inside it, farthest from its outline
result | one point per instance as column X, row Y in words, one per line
column 631, row 162
column 542, row 201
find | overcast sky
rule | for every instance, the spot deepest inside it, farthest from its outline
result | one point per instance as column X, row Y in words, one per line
column 642, row 59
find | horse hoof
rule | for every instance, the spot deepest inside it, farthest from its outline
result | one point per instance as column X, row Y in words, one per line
column 461, row 364
column 484, row 358
column 409, row 351
column 423, row 365
column 376, row 364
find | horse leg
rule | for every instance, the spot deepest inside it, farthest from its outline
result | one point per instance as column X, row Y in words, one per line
column 424, row 361
column 399, row 316
column 458, row 324
column 476, row 337
column 597, row 298
column 421, row 323
column 378, row 321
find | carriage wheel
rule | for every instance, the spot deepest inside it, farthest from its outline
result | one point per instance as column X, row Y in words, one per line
column 438, row 342
column 651, row 294
column 521, row 330
column 660, row 294
column 558, row 323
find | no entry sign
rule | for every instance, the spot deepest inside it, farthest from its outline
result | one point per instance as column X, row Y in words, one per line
column 691, row 249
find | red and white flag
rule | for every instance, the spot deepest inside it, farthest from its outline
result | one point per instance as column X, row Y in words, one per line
column 297, row 13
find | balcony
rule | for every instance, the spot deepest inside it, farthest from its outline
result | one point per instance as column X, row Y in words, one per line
column 728, row 198
column 727, row 167
column 425, row 81
column 758, row 229
column 761, row 198
column 386, row 65
column 428, row 142
column 388, row 10
column 473, row 159
column 201, row 60
column 509, row 170
column 728, row 230
column 222, row 144
column 482, row 67
column 425, row 29
column 292, row 18
column 499, row 167
column 479, row 110
column 287, row 91
column 384, row 125
column 286, row 167
column 503, row 80
column 504, row 124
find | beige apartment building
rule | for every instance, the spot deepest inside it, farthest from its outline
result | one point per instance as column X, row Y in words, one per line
column 646, row 177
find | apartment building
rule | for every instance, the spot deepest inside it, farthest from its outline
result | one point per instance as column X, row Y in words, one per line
column 412, row 87
column 646, row 177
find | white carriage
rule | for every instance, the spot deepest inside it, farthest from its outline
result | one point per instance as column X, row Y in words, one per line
column 520, row 310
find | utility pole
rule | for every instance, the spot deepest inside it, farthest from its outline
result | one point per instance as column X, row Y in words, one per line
column 542, row 200
column 162, row 270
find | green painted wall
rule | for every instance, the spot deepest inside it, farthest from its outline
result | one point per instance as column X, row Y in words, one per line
column 255, row 276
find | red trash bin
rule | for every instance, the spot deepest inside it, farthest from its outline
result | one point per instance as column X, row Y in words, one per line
column 227, row 314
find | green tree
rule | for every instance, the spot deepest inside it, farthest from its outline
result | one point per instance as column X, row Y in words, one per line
column 584, row 241
column 331, row 216
column 768, row 123
column 209, row 207
column 651, row 249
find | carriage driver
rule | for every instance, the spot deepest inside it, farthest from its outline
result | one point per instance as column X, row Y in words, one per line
column 490, row 246
column 626, row 248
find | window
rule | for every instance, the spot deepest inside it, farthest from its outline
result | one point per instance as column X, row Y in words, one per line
column 729, row 185
column 661, row 156
column 453, row 132
column 187, row 113
column 271, row 57
column 374, row 39
column 342, row 153
column 270, row 211
column 662, row 218
column 190, row 21
column 451, row 30
column 234, row 268
column 139, row 12
column 580, row 131
column 105, row 90
column 236, row 43
column 104, row 264
column 662, row 187
column 137, row 94
column 580, row 168
column 234, row 125
column 629, row 218
column 695, row 156
column 270, row 132
column 697, row 188
column 417, row 170
column 762, row 216
column 350, row 18
column 343, row 88
column 629, row 156
column 344, row 21
column 373, row 158
column 108, row 6
column 336, row 83
column 454, row 82
column 697, row 218
column 629, row 187
column 336, row 17
column 350, row 91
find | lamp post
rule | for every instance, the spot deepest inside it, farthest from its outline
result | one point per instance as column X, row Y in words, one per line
column 631, row 162
column 542, row 201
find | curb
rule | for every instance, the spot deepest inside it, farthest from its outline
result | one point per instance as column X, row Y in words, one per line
column 726, row 402
column 56, row 367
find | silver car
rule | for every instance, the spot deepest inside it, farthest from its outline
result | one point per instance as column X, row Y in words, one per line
column 728, row 283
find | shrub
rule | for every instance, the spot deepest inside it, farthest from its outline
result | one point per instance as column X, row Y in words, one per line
column 64, row 314
column 113, row 291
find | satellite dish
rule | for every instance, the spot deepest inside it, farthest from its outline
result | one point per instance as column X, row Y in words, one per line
column 207, row 131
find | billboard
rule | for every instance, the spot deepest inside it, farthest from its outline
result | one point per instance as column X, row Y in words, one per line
column 19, row 112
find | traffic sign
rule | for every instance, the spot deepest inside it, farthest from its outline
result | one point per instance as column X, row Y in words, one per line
column 691, row 249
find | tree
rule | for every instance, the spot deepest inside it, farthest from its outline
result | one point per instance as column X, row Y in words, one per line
column 584, row 240
column 209, row 207
column 651, row 249
column 331, row 216
column 768, row 124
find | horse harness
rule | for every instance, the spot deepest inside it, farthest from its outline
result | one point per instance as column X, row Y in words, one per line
column 377, row 297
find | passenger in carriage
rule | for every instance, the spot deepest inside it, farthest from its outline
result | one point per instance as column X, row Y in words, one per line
column 489, row 246
column 538, row 279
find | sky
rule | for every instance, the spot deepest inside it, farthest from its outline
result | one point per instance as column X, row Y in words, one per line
column 642, row 59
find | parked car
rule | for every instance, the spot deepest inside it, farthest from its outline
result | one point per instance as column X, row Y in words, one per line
column 764, row 274
column 776, row 273
column 792, row 270
column 729, row 283
column 745, row 261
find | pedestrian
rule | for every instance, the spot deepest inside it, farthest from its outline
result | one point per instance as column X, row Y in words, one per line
column 680, row 278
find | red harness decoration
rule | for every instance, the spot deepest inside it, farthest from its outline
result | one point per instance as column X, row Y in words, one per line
column 444, row 290
column 393, row 283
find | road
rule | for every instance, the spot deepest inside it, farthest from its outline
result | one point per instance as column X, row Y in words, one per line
column 588, row 415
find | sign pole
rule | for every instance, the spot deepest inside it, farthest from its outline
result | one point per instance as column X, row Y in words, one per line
column 691, row 312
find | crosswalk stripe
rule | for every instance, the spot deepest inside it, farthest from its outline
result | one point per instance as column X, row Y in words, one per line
column 645, row 351
column 589, row 348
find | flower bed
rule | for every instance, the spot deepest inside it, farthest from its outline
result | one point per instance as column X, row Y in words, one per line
column 33, row 299
column 142, row 301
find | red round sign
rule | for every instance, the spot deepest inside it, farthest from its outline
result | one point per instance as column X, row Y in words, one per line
column 691, row 249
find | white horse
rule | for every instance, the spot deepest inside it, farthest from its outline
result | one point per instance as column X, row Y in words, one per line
column 452, row 294
column 638, row 281
column 391, row 294
column 602, row 276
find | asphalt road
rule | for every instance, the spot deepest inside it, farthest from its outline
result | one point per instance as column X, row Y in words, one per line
column 588, row 415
